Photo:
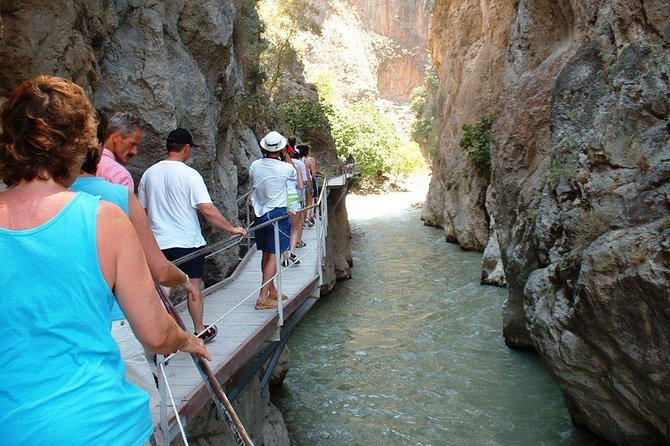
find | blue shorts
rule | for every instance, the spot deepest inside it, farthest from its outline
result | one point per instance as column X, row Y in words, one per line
column 194, row 267
column 265, row 237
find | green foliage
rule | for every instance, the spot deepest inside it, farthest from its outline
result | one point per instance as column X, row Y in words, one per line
column 362, row 131
column 407, row 160
column 562, row 167
column 476, row 141
column 303, row 115
column 424, row 107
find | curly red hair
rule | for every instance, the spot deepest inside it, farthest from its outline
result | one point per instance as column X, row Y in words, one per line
column 48, row 125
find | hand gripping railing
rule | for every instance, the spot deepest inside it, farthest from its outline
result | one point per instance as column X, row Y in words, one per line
column 223, row 405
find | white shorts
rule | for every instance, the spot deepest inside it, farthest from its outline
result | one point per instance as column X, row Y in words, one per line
column 138, row 371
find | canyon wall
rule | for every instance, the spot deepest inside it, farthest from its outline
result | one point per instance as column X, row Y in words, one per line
column 467, row 43
column 376, row 48
column 580, row 184
column 405, row 24
column 171, row 64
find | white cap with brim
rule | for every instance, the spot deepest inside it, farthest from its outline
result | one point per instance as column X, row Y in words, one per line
column 273, row 142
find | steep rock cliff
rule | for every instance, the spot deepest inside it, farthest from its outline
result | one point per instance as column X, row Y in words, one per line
column 405, row 23
column 371, row 51
column 170, row 63
column 466, row 42
column 581, row 174
column 581, row 162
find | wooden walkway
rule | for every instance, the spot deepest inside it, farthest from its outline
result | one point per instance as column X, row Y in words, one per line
column 243, row 332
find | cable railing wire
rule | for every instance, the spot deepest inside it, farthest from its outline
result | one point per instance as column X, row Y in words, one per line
column 217, row 247
column 238, row 238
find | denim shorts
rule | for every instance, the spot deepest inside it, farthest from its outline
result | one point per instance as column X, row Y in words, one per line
column 265, row 237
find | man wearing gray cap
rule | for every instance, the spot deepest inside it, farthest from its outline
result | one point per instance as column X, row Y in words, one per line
column 172, row 194
column 270, row 199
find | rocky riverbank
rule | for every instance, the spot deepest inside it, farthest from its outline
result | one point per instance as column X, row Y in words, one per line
column 579, row 180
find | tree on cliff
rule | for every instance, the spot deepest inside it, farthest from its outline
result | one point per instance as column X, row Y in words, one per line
column 283, row 19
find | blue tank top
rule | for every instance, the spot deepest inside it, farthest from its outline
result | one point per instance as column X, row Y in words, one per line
column 113, row 193
column 62, row 380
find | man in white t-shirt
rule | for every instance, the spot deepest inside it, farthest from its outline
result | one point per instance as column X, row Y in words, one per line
column 172, row 194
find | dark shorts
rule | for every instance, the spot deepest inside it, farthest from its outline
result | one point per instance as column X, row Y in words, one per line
column 265, row 237
column 194, row 267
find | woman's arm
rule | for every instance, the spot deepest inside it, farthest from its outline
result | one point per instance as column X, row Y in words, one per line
column 301, row 184
column 125, row 269
column 312, row 166
column 162, row 270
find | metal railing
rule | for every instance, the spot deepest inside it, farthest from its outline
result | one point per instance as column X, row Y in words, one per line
column 321, row 220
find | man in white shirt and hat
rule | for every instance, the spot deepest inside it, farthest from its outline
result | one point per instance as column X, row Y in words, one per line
column 270, row 199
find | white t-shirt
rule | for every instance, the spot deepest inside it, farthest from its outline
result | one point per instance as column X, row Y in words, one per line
column 170, row 191
column 292, row 185
column 269, row 177
column 303, row 170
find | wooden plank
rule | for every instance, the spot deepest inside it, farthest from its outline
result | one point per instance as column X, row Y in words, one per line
column 242, row 333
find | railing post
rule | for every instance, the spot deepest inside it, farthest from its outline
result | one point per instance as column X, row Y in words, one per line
column 280, row 288
column 163, row 404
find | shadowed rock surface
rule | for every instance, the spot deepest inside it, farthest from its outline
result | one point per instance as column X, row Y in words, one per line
column 171, row 64
column 580, row 178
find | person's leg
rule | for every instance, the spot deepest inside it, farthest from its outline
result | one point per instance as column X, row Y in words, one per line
column 301, row 226
column 137, row 368
column 196, row 305
column 195, row 269
column 309, row 200
column 268, row 270
column 296, row 229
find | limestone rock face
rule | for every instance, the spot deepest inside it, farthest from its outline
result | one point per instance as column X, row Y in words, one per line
column 580, row 150
column 580, row 176
column 260, row 418
column 376, row 48
column 170, row 63
column 617, row 385
column 405, row 23
column 338, row 241
column 467, row 40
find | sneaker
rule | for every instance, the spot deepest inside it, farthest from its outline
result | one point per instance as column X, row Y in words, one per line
column 294, row 259
column 309, row 223
column 208, row 334
column 300, row 244
column 285, row 263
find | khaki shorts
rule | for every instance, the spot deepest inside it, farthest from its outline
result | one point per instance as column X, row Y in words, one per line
column 138, row 371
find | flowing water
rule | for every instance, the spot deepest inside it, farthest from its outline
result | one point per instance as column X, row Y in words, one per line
column 410, row 352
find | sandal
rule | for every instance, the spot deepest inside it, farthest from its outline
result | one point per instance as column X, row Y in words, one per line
column 208, row 334
column 273, row 296
column 272, row 306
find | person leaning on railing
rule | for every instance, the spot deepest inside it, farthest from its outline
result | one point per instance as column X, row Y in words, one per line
column 61, row 380
column 173, row 193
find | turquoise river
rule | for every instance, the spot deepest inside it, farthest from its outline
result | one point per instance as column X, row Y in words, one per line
column 410, row 351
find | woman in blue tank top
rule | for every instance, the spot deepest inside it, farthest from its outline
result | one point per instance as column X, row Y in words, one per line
column 62, row 379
